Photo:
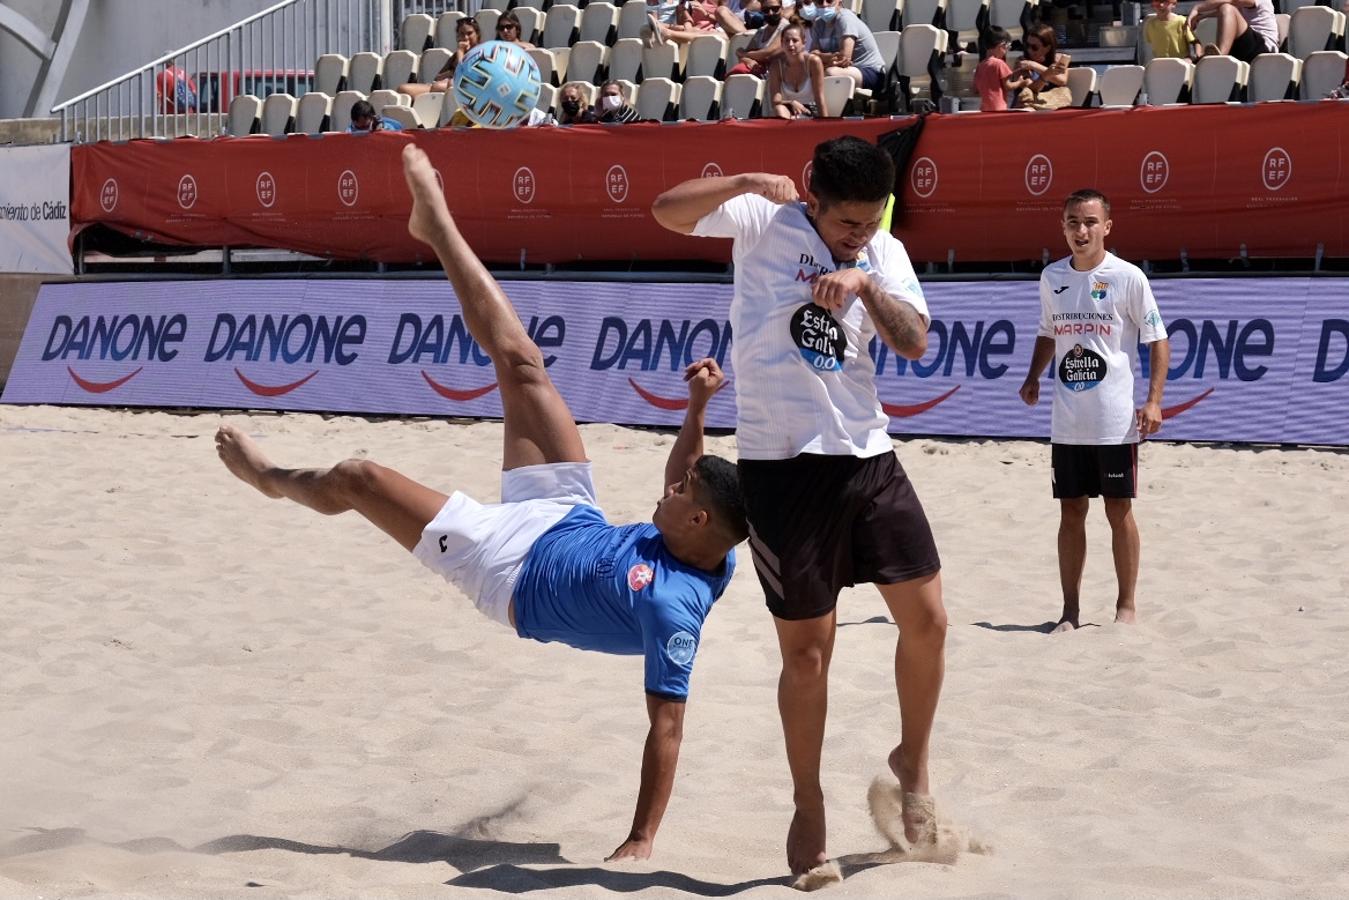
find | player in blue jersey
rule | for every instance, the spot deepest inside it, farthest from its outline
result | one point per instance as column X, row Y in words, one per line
column 544, row 561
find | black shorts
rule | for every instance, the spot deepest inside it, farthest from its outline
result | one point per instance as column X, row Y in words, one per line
column 1104, row 470
column 1248, row 46
column 818, row 524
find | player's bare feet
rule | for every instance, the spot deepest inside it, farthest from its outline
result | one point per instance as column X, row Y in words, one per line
column 805, row 840
column 1125, row 615
column 430, row 216
column 920, row 822
column 1065, row 625
column 243, row 458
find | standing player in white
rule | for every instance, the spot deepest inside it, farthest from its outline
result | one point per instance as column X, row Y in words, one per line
column 828, row 503
column 1095, row 308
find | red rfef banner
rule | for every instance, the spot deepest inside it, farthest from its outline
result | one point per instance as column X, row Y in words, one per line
column 986, row 187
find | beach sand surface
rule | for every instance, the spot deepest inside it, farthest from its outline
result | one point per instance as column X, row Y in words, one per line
column 207, row 693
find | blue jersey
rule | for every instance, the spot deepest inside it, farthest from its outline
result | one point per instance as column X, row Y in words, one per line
column 617, row 589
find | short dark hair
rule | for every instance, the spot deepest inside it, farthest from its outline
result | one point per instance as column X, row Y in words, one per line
column 718, row 486
column 508, row 18
column 1086, row 195
column 850, row 170
column 995, row 37
column 363, row 109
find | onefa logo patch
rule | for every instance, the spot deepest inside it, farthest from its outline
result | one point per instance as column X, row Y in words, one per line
column 819, row 338
column 680, row 648
column 1081, row 369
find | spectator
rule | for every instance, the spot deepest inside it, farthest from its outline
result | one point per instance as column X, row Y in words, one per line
column 764, row 44
column 796, row 79
column 844, row 43
column 508, row 30
column 693, row 18
column 1246, row 28
column 364, row 119
column 571, row 103
column 176, row 90
column 993, row 76
column 1167, row 34
column 739, row 16
column 442, row 81
column 467, row 35
column 1041, row 77
column 613, row 108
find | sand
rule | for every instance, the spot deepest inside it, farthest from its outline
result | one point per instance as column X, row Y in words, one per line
column 208, row 694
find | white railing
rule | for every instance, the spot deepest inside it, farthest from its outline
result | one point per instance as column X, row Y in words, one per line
column 188, row 92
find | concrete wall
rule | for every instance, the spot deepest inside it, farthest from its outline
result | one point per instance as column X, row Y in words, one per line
column 18, row 293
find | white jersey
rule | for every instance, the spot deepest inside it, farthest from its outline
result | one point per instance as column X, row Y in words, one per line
column 805, row 381
column 1096, row 319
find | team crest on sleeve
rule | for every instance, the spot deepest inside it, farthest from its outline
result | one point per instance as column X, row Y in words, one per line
column 639, row 576
column 1098, row 289
column 680, row 648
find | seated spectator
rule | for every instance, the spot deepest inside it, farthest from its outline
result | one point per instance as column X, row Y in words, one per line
column 467, row 35
column 764, row 44
column 693, row 18
column 844, row 43
column 796, row 79
column 1041, row 77
column 1169, row 35
column 739, row 16
column 1243, row 31
column 992, row 77
column 442, row 82
column 508, row 30
column 612, row 108
column 364, row 119
column 571, row 104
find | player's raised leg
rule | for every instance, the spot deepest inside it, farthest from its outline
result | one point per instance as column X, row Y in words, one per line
column 397, row 505
column 539, row 427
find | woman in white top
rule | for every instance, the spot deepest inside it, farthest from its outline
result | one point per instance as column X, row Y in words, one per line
column 796, row 79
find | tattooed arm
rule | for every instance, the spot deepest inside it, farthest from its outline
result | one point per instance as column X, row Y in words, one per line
column 901, row 326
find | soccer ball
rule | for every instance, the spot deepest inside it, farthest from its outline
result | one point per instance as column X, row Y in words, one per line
column 496, row 84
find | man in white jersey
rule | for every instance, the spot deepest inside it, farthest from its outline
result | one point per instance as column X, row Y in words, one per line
column 545, row 562
column 829, row 505
column 1095, row 308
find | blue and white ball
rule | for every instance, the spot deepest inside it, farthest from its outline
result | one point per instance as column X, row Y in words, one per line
column 496, row 84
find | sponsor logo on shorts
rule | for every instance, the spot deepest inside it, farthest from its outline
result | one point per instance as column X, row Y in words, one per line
column 680, row 648
column 639, row 576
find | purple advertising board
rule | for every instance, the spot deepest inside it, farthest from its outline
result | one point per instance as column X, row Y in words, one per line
column 1252, row 360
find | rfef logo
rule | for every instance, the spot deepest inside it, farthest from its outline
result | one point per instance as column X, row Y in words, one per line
column 711, row 170
column 107, row 195
column 616, row 183
column 1039, row 174
column 806, row 171
column 348, row 187
column 923, row 177
column 187, row 192
column 266, row 189
column 523, row 185
column 1153, row 173
column 639, row 576
column 1277, row 169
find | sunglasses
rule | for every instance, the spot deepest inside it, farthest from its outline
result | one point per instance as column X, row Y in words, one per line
column 508, row 27
column 771, row 9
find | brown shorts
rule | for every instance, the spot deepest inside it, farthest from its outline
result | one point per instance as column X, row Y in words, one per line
column 818, row 524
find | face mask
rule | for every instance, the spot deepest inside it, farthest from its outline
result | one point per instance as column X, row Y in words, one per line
column 827, row 13
column 571, row 107
column 611, row 102
column 808, row 12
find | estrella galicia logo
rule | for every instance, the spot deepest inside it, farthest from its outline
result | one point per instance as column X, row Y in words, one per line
column 680, row 648
column 819, row 338
column 1098, row 289
column 1081, row 369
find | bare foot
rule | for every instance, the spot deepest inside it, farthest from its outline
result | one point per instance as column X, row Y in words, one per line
column 1126, row 615
column 430, row 216
column 823, row 875
column 243, row 458
column 805, row 840
column 1064, row 625
column 919, row 815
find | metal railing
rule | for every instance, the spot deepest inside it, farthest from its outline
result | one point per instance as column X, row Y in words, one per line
column 188, row 92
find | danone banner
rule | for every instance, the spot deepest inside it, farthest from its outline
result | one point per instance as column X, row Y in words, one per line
column 35, row 209
column 1252, row 360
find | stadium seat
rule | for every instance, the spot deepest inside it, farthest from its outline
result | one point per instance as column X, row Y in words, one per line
column 1082, row 84
column 1284, row 22
column 330, row 73
column 632, row 19
column 535, row 4
column 1220, row 79
column 364, row 71
column 887, row 44
column 882, row 15
column 1168, row 81
column 966, row 20
column 551, row 70
column 587, row 61
column 1274, row 76
column 924, row 12
column 1119, row 85
column 403, row 115
column 446, row 23
column 661, row 61
column 589, row 92
column 503, row 5
column 700, row 98
column 921, row 48
column 487, row 23
column 245, row 115
column 563, row 26
column 742, row 97
column 531, row 23
column 448, row 108
column 1314, row 28
column 737, row 42
column 415, row 34
column 599, row 22
column 625, row 59
column 340, row 117
column 427, row 107
column 705, row 55
column 1012, row 15
column 382, row 98
column 399, row 68
column 431, row 63
column 312, row 113
column 838, row 93
column 278, row 114
column 547, row 99
column 1205, row 32
column 1291, row 6
column 1322, row 72
column 657, row 98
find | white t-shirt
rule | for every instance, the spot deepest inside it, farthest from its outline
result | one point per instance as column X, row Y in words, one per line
column 805, row 382
column 1096, row 319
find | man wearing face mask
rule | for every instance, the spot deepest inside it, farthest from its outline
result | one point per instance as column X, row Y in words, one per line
column 844, row 43
column 571, row 104
column 765, row 44
column 611, row 109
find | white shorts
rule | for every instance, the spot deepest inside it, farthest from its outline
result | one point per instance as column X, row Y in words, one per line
column 479, row 548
